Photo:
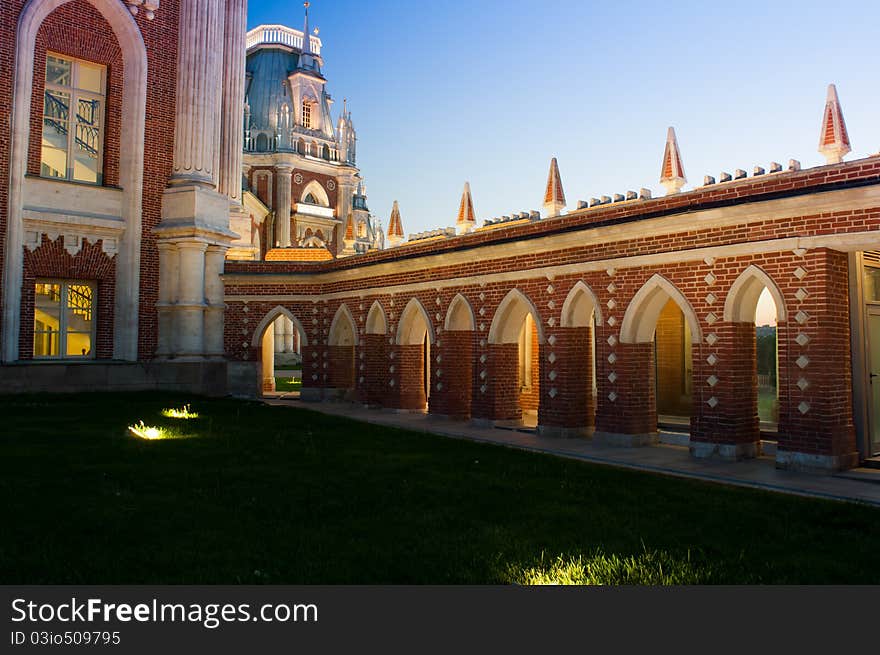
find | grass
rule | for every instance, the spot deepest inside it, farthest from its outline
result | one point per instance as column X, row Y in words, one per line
column 247, row 493
column 287, row 384
column 768, row 405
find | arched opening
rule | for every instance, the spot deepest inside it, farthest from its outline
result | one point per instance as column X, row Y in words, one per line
column 301, row 146
column 341, row 348
column 657, row 335
column 262, row 142
column 755, row 300
column 280, row 374
column 515, row 338
column 314, row 194
column 326, row 153
column 373, row 364
column 412, row 369
column 454, row 377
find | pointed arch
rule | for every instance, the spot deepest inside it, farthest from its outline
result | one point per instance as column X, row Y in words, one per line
column 377, row 322
column 579, row 307
column 317, row 191
column 131, row 170
column 460, row 315
column 640, row 319
column 742, row 299
column 414, row 321
column 343, row 330
column 509, row 317
column 270, row 317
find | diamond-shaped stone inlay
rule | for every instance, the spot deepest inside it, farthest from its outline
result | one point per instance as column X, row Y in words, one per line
column 483, row 375
column 482, row 311
column 710, row 261
column 800, row 273
column 438, row 301
column 552, row 375
column 710, row 298
column 439, row 358
column 802, row 339
column 361, row 379
column 612, row 288
column 803, row 361
column 314, row 310
column 244, row 344
column 550, row 288
column 391, row 302
column 245, row 309
column 437, row 316
column 483, row 388
column 315, row 378
column 314, row 321
column 612, row 358
column 391, row 354
column 803, row 384
column 799, row 252
column 612, row 377
column 314, row 353
column 439, row 373
column 439, row 386
column 551, row 358
column 802, row 317
column 390, row 383
column 391, row 369
column 361, row 307
column 612, row 341
column 482, row 296
column 553, row 392
column 711, row 338
column 612, row 321
column 552, row 340
column 612, row 396
column 363, row 367
column 482, row 327
column 551, row 321
column 482, row 359
column 611, row 304
column 712, row 359
column 711, row 318
column 611, row 272
column 803, row 407
column 801, row 294
column 551, row 304
column 361, row 318
column 712, row 402
column 482, row 343
column 712, row 380
column 390, row 316
column 710, row 279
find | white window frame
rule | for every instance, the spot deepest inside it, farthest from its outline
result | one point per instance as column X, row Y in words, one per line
column 307, row 114
column 75, row 95
column 64, row 283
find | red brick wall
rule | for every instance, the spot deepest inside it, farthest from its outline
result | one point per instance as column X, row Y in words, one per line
column 634, row 411
column 341, row 373
column 409, row 376
column 570, row 375
column 503, row 382
column 51, row 260
column 373, row 357
column 457, row 366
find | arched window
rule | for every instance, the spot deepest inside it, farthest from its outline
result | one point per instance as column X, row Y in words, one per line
column 301, row 146
column 307, row 114
column 326, row 153
column 310, row 199
column 262, row 143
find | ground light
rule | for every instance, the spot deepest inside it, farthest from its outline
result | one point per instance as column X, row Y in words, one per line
column 149, row 432
column 183, row 412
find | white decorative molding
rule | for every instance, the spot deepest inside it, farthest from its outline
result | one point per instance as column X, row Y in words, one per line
column 150, row 7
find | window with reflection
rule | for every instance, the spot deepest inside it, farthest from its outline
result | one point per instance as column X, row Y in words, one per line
column 64, row 325
column 73, row 120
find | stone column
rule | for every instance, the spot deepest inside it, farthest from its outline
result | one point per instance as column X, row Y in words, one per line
column 279, row 334
column 282, row 205
column 267, row 350
column 232, row 118
column 215, row 256
column 189, row 327
column 287, row 344
column 197, row 110
column 167, row 292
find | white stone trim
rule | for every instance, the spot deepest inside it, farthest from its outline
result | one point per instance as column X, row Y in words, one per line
column 376, row 314
column 270, row 317
column 640, row 319
column 452, row 322
column 508, row 318
column 131, row 164
column 578, row 290
column 406, row 328
column 342, row 313
column 742, row 299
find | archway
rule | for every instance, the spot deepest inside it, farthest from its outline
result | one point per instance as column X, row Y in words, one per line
column 755, row 308
column 412, row 368
column 657, row 335
column 341, row 348
column 454, row 375
column 264, row 340
column 515, row 337
column 373, row 378
column 314, row 194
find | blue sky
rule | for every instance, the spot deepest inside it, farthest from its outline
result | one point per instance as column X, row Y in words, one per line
column 488, row 91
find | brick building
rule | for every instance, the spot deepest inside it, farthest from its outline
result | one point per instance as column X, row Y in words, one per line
column 122, row 172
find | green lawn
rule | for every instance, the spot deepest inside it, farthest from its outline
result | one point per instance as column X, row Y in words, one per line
column 287, row 384
column 248, row 493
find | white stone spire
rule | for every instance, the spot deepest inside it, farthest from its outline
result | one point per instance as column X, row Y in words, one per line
column 672, row 173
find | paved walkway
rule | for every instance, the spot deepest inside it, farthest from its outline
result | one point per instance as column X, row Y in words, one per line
column 858, row 485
